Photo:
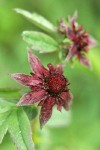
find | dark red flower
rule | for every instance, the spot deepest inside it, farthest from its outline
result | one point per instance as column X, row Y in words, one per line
column 48, row 87
column 80, row 40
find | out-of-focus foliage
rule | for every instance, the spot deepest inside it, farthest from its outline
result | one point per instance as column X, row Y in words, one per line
column 83, row 131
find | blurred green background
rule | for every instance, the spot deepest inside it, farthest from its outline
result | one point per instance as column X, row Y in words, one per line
column 80, row 128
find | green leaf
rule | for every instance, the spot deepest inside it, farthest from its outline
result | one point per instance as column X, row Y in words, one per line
column 3, row 124
column 20, row 130
column 15, row 120
column 37, row 20
column 5, row 105
column 31, row 112
column 40, row 41
column 10, row 93
column 5, row 111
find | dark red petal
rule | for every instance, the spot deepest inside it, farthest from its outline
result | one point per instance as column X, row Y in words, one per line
column 66, row 98
column 92, row 41
column 85, row 61
column 36, row 64
column 73, row 19
column 31, row 98
column 71, row 53
column 59, row 69
column 55, row 69
column 51, row 68
column 42, row 100
column 41, row 103
column 86, row 49
column 63, row 26
column 46, row 111
column 70, row 34
column 59, row 106
column 25, row 79
column 79, row 28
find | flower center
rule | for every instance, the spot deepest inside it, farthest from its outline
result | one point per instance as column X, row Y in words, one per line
column 82, row 44
column 56, row 83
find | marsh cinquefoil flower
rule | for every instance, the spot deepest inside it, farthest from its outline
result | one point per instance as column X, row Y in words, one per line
column 80, row 40
column 49, row 87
